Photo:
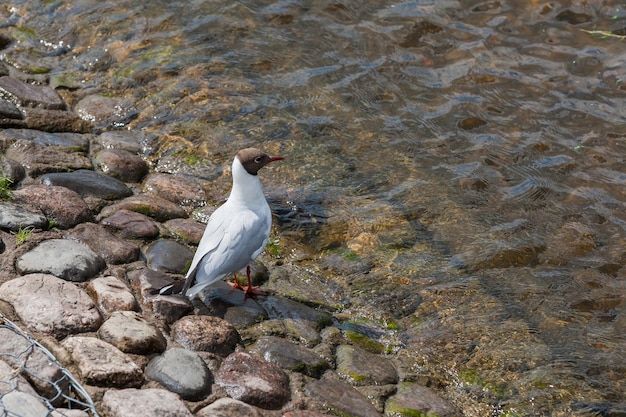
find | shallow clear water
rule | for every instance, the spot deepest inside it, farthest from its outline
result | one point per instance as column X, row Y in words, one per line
column 454, row 166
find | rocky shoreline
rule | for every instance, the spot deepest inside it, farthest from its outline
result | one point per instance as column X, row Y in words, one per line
column 89, row 229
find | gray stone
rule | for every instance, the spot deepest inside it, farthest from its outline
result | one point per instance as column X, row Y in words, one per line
column 121, row 164
column 131, row 333
column 12, row 170
column 282, row 308
column 183, row 372
column 150, row 205
column 149, row 402
column 168, row 256
column 14, row 218
column 51, row 305
column 227, row 407
column 16, row 403
column 65, row 412
column 42, row 159
column 63, row 258
column 245, row 315
column 61, row 205
column 29, row 95
column 254, row 381
column 111, row 294
column 131, row 225
column 341, row 398
column 290, row 356
column 413, row 399
column 19, row 355
column 11, row 380
column 102, row 364
column 112, row 249
column 363, row 368
column 88, row 183
column 205, row 333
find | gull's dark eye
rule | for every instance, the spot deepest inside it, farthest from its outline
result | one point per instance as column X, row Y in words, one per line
column 258, row 159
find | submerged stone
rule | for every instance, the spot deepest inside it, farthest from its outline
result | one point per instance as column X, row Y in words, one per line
column 412, row 399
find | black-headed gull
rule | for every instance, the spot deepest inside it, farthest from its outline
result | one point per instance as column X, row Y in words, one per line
column 237, row 231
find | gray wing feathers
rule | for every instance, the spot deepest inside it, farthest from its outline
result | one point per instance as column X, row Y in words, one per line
column 226, row 247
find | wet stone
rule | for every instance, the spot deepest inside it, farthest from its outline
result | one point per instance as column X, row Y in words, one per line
column 290, row 356
column 17, row 353
column 29, row 95
column 188, row 230
column 109, row 247
column 254, row 381
column 303, row 413
column 206, row 333
column 41, row 159
column 51, row 305
column 159, row 209
column 61, row 205
column 282, row 308
column 149, row 402
column 14, row 218
column 130, row 333
column 55, row 121
column 169, row 308
column 63, row 258
column 413, row 399
column 131, row 225
column 9, row 110
column 133, row 141
column 102, row 364
column 168, row 256
column 304, row 331
column 363, row 368
column 242, row 316
column 105, row 111
column 203, row 169
column 88, row 183
column 183, row 372
column 341, row 398
column 65, row 141
column 112, row 295
column 183, row 190
column 227, row 407
column 571, row 240
column 121, row 164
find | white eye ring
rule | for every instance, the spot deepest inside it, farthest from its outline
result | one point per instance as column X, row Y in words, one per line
column 257, row 160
